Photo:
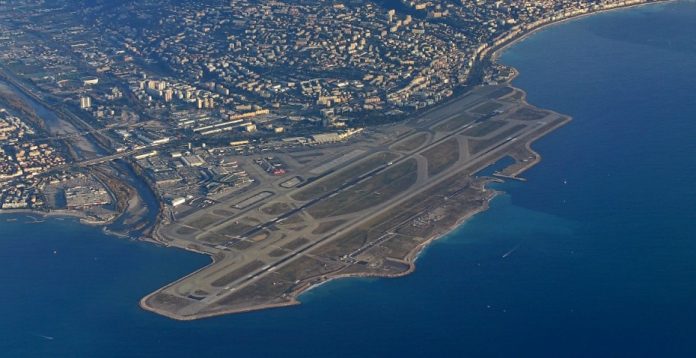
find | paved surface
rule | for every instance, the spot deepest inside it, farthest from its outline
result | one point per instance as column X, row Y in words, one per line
column 257, row 240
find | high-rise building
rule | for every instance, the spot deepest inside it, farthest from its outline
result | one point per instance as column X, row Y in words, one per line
column 85, row 102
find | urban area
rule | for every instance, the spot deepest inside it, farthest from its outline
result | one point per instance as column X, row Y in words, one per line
column 291, row 140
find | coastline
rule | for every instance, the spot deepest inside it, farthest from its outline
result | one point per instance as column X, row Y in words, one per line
column 73, row 214
column 295, row 295
column 413, row 256
column 493, row 56
column 494, row 53
column 578, row 256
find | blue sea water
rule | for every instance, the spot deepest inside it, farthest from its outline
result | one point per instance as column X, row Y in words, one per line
column 594, row 256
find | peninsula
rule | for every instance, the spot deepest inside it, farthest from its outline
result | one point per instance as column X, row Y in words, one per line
column 339, row 149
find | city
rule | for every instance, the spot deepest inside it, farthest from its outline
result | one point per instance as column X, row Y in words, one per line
column 226, row 127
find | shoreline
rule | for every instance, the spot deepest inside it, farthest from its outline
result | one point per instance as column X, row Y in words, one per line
column 410, row 259
column 295, row 295
column 491, row 55
column 71, row 214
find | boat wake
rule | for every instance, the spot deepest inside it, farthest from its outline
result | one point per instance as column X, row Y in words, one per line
column 49, row 338
column 505, row 255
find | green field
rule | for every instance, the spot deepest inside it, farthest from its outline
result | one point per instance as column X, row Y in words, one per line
column 455, row 123
column 325, row 227
column 442, row 156
column 337, row 179
column 379, row 188
column 236, row 228
column 529, row 114
column 411, row 143
column 484, row 128
column 204, row 221
column 238, row 273
column 476, row 146
column 487, row 107
column 276, row 208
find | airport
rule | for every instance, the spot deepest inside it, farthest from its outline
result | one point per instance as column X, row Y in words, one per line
column 365, row 208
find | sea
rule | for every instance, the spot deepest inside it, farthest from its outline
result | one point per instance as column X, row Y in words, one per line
column 593, row 256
